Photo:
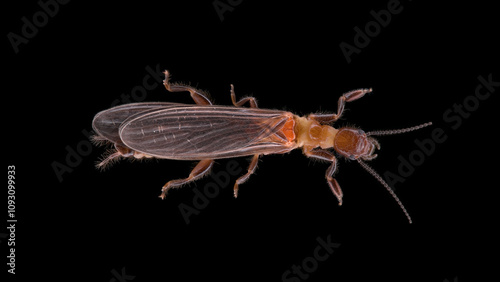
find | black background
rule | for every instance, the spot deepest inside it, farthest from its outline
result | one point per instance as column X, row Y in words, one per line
column 93, row 224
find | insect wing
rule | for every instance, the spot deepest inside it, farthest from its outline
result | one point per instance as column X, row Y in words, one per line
column 107, row 123
column 206, row 132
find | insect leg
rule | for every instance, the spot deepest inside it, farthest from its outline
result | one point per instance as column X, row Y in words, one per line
column 347, row 97
column 329, row 157
column 244, row 178
column 198, row 96
column 250, row 100
column 201, row 169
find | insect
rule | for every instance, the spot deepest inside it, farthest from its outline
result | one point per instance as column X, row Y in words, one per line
column 205, row 132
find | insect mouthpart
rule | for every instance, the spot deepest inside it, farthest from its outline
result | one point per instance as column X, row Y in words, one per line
column 374, row 145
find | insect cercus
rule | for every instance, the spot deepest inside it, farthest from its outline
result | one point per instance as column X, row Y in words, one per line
column 206, row 132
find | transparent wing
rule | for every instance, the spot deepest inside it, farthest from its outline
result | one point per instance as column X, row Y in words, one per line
column 107, row 123
column 206, row 132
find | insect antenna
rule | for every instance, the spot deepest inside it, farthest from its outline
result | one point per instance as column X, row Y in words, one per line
column 379, row 178
column 398, row 131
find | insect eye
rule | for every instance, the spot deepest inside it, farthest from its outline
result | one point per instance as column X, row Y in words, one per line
column 352, row 157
